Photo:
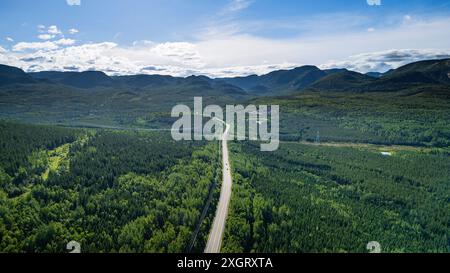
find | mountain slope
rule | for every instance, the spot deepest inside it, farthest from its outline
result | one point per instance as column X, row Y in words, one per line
column 280, row 81
column 93, row 97
column 375, row 74
column 342, row 81
column 433, row 73
column 84, row 80
column 141, row 81
column 88, row 79
column 14, row 75
column 436, row 71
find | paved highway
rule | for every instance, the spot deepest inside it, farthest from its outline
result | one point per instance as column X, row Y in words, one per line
column 216, row 234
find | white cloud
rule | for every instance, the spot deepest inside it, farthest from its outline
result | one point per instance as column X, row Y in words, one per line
column 24, row 46
column 143, row 43
column 235, row 71
column 182, row 59
column 41, row 28
column 73, row 31
column 2, row 50
column 385, row 60
column 46, row 36
column 233, row 53
column 73, row 2
column 65, row 42
column 9, row 39
column 181, row 52
column 53, row 30
column 48, row 33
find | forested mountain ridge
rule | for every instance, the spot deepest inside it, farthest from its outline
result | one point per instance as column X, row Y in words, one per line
column 437, row 71
column 13, row 75
column 276, row 82
column 342, row 81
column 279, row 81
column 312, row 78
column 94, row 99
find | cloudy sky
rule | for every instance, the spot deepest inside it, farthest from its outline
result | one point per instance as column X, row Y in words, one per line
column 220, row 37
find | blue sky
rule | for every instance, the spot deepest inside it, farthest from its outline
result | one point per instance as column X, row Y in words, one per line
column 220, row 37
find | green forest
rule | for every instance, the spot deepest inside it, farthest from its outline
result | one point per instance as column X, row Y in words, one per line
column 111, row 191
column 329, row 188
column 88, row 157
column 319, row 198
column 403, row 118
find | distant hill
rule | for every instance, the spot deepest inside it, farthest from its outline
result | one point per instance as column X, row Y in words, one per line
column 342, row 81
column 433, row 73
column 14, row 75
column 94, row 97
column 428, row 71
column 278, row 81
column 375, row 74
column 88, row 79
column 141, row 81
column 85, row 80
column 51, row 76
column 91, row 97
column 91, row 79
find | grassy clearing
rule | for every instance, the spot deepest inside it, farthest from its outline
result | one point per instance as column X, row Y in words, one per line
column 58, row 159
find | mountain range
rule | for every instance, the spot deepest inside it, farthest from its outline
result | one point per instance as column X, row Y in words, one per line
column 310, row 78
column 94, row 97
